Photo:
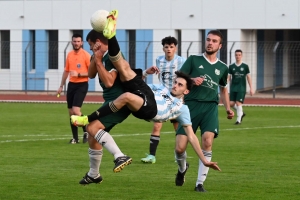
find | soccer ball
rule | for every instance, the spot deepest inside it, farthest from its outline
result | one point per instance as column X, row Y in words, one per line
column 98, row 20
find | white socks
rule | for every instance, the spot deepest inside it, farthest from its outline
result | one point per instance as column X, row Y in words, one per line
column 181, row 161
column 239, row 113
column 105, row 139
column 202, row 170
column 95, row 161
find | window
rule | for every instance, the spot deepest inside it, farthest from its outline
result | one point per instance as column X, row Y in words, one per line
column 178, row 33
column 53, row 49
column 32, row 41
column 132, row 48
column 5, row 49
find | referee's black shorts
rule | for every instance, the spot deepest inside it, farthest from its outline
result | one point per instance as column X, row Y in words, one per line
column 76, row 93
column 138, row 86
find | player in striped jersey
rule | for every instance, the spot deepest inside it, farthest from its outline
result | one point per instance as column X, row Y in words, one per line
column 140, row 101
column 166, row 65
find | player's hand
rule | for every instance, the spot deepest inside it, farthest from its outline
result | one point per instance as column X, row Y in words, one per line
column 152, row 70
column 59, row 90
column 198, row 80
column 73, row 73
column 251, row 92
column 213, row 165
column 97, row 51
column 230, row 114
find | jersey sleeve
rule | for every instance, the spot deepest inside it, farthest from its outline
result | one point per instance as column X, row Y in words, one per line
column 88, row 59
column 230, row 69
column 182, row 61
column 223, row 80
column 186, row 67
column 247, row 69
column 184, row 118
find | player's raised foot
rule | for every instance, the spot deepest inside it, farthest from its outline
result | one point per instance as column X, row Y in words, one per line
column 149, row 159
column 179, row 180
column 244, row 114
column 237, row 123
column 109, row 30
column 85, row 137
column 200, row 188
column 87, row 179
column 121, row 162
column 79, row 120
column 73, row 141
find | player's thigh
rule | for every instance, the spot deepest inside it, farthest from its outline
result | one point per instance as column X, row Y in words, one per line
column 240, row 97
column 210, row 120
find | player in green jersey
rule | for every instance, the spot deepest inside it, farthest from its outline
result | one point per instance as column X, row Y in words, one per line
column 238, row 73
column 208, row 73
column 98, row 129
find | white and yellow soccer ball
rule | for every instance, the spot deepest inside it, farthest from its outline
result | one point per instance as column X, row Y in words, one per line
column 98, row 20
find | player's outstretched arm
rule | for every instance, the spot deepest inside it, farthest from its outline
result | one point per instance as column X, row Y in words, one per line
column 192, row 138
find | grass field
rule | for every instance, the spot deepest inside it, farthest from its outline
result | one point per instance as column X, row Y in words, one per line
column 259, row 159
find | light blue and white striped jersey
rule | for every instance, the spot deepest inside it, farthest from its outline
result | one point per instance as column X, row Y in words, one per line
column 169, row 107
column 167, row 69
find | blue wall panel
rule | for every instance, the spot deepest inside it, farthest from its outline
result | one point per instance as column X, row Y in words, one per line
column 86, row 47
column 260, row 59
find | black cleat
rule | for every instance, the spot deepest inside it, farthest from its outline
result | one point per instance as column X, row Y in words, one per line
column 244, row 114
column 237, row 123
column 87, row 179
column 85, row 137
column 179, row 180
column 121, row 162
column 73, row 141
column 200, row 188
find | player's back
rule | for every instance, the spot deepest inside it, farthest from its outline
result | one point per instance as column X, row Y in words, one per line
column 168, row 107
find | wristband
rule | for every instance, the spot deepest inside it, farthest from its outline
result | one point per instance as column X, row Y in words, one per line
column 145, row 73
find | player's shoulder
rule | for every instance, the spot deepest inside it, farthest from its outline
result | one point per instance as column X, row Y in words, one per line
column 160, row 58
column 245, row 64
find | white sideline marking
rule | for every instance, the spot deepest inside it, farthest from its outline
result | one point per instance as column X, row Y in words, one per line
column 126, row 135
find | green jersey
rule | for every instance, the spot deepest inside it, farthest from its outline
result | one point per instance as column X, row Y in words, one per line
column 110, row 94
column 214, row 74
column 238, row 77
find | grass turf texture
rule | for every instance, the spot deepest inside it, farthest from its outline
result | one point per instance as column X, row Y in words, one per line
column 259, row 159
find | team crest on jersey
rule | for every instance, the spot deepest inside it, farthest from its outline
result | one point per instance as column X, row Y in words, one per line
column 78, row 65
column 233, row 69
column 242, row 69
column 217, row 72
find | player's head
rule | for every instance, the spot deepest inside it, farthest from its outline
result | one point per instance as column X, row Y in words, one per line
column 213, row 42
column 169, row 46
column 182, row 84
column 238, row 55
column 93, row 37
column 77, row 41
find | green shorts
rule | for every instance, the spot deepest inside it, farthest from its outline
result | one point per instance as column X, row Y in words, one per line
column 237, row 96
column 203, row 115
column 113, row 119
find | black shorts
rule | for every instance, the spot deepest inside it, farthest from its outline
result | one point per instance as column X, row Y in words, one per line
column 138, row 86
column 76, row 93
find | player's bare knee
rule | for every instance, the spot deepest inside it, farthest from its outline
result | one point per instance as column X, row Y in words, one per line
column 179, row 150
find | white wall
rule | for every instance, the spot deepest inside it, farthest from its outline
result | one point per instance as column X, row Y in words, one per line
column 154, row 14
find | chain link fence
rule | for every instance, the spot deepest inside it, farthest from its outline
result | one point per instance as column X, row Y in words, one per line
column 38, row 66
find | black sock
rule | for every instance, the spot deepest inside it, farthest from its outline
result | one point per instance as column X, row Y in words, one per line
column 154, row 140
column 113, row 46
column 103, row 111
column 74, row 131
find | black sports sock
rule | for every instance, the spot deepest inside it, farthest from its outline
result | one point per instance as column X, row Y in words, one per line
column 83, row 128
column 113, row 46
column 74, row 131
column 154, row 141
column 103, row 111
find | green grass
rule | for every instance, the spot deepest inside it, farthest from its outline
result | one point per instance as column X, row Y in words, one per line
column 259, row 159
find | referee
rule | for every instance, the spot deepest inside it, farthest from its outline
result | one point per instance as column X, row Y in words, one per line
column 77, row 63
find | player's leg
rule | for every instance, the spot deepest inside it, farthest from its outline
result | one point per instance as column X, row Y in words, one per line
column 78, row 99
column 70, row 98
column 209, row 129
column 180, row 156
column 107, row 141
column 114, row 52
column 239, row 103
column 95, row 156
column 154, row 141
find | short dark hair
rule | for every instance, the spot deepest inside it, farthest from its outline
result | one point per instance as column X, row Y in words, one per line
column 76, row 35
column 187, row 78
column 217, row 33
column 169, row 40
column 238, row 50
column 94, row 35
